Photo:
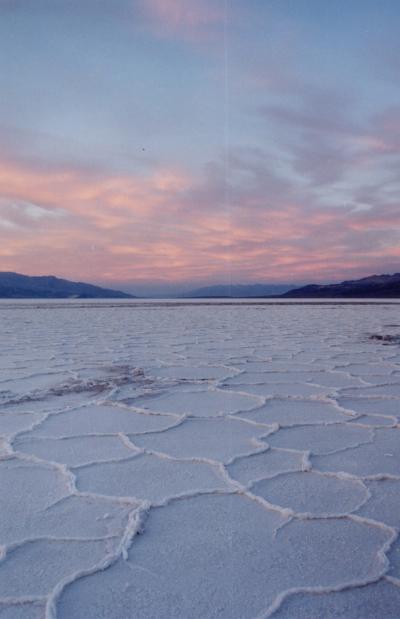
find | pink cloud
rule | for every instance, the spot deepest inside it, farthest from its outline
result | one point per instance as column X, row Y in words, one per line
column 172, row 226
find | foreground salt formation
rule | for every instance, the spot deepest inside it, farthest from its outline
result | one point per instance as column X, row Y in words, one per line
column 199, row 461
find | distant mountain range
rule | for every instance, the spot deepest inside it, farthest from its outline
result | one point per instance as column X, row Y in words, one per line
column 238, row 291
column 375, row 286
column 16, row 286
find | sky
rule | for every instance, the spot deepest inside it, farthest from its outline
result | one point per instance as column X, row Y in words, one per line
column 167, row 144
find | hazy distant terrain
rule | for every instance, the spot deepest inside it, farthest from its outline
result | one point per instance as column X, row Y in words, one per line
column 17, row 286
column 239, row 290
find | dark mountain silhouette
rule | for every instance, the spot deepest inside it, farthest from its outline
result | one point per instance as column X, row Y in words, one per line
column 17, row 286
column 375, row 286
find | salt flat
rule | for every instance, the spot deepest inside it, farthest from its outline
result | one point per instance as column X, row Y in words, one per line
column 199, row 460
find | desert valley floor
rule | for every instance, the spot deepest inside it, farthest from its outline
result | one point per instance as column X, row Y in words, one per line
column 199, row 460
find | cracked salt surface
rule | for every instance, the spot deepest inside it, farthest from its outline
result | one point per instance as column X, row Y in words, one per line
column 75, row 451
column 294, row 412
column 380, row 457
column 201, row 438
column 199, row 461
column 376, row 601
column 373, row 406
column 312, row 493
column 230, row 541
column 211, row 403
column 282, row 389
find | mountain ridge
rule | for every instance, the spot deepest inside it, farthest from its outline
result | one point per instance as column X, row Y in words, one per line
column 372, row 286
column 19, row 286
